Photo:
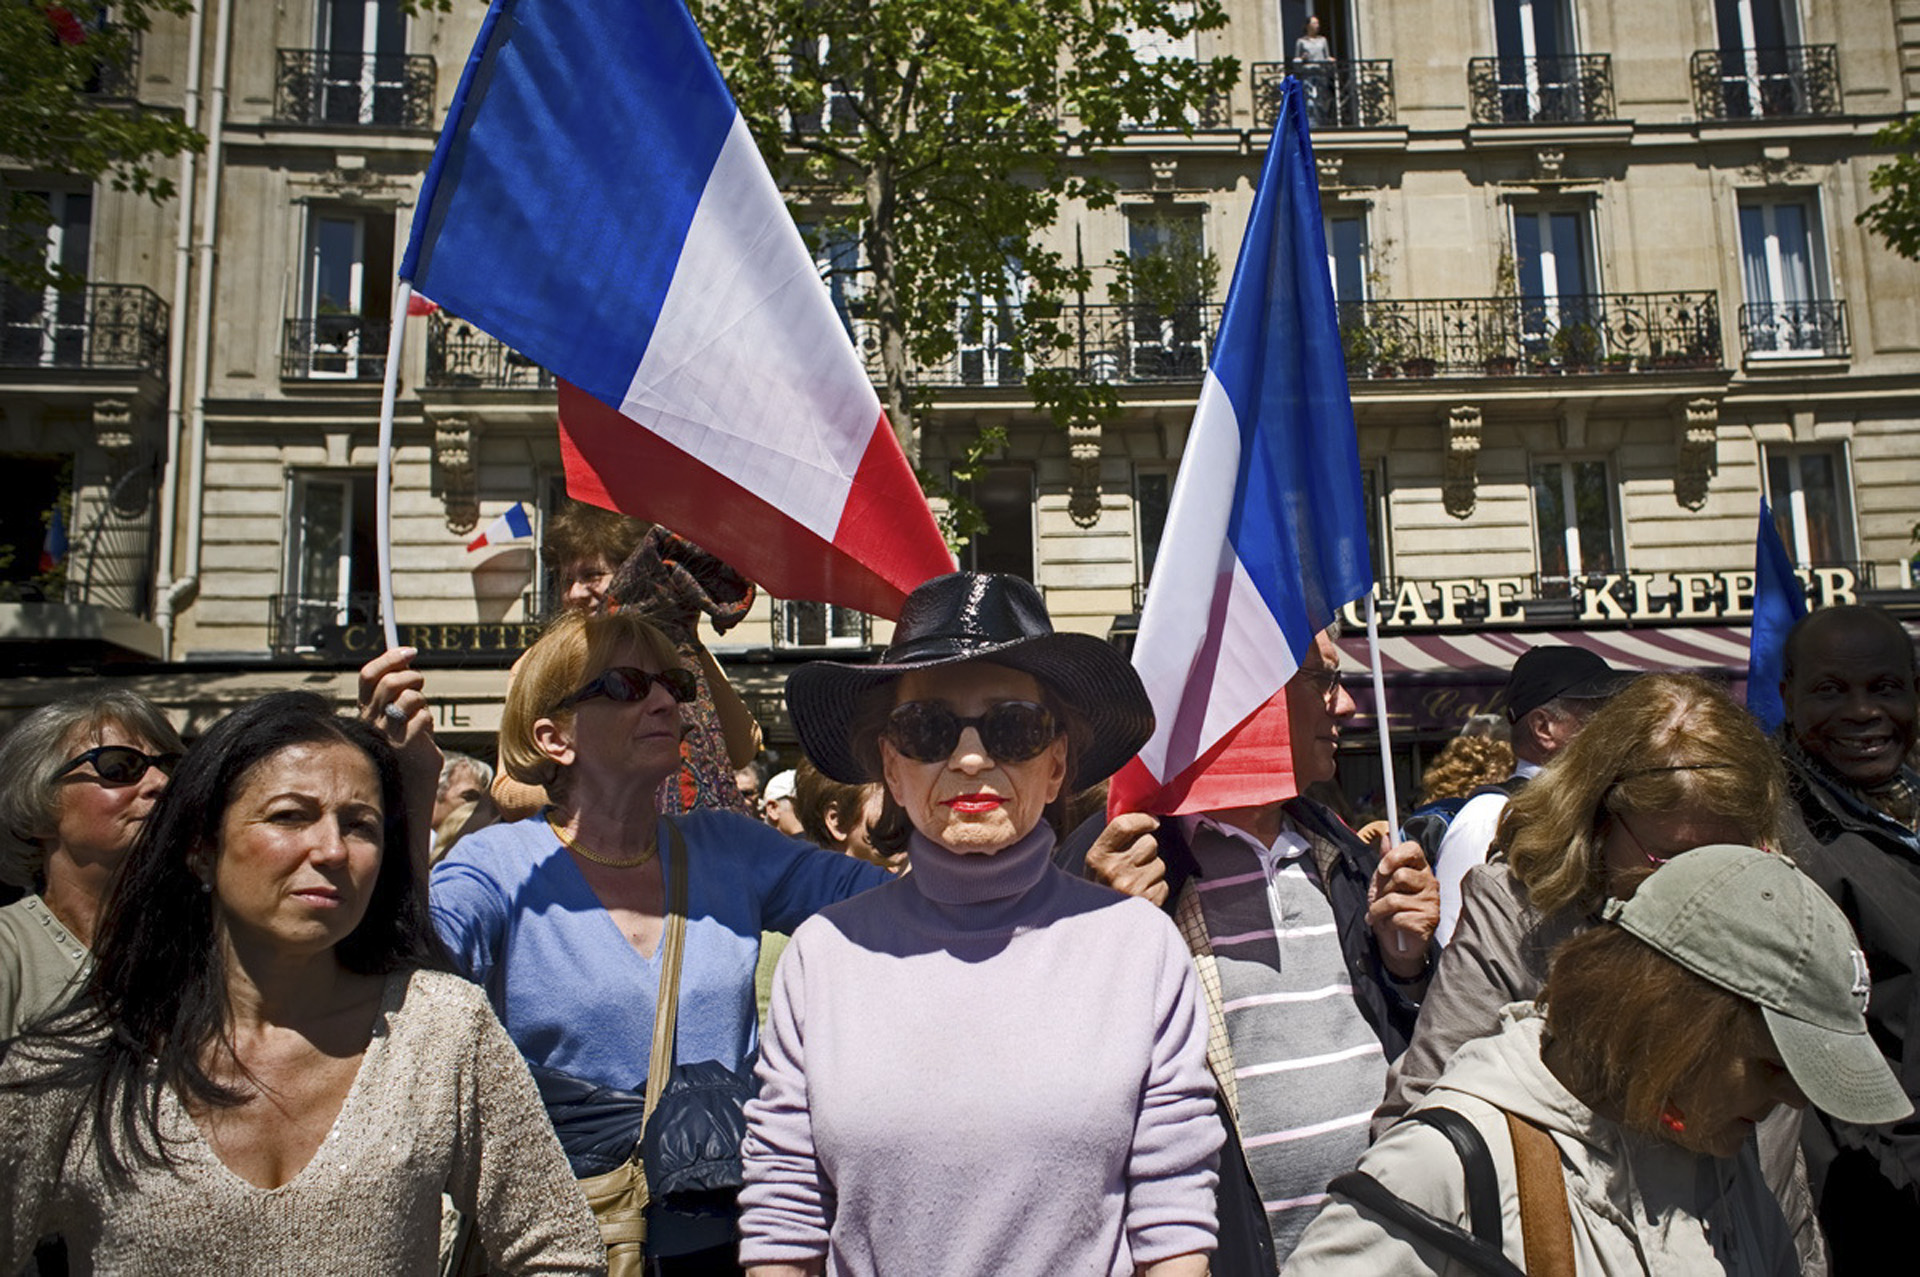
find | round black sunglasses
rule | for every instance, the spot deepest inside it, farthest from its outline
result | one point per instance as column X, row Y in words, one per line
column 1011, row 731
column 626, row 683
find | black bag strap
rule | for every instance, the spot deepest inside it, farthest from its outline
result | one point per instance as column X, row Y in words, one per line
column 1480, row 1249
column 1483, row 1182
column 1454, row 1241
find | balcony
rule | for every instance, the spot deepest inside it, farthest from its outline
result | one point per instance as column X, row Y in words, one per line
column 96, row 326
column 1111, row 344
column 801, row 625
column 1566, row 90
column 354, row 90
column 336, row 348
column 1786, row 330
column 1760, row 84
column 461, row 357
column 1510, row 337
column 1339, row 95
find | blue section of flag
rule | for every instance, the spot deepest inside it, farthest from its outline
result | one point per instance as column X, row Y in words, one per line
column 573, row 158
column 1778, row 601
column 1299, row 524
column 518, row 524
column 54, row 549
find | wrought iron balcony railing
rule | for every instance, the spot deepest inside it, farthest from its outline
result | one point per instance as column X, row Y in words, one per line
column 336, row 348
column 460, row 356
column 1115, row 344
column 802, row 624
column 1773, row 330
column 305, row 622
column 93, row 326
column 1566, row 90
column 1340, row 95
column 354, row 90
column 1522, row 336
column 1755, row 84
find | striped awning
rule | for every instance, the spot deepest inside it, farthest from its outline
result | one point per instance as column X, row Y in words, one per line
column 1699, row 649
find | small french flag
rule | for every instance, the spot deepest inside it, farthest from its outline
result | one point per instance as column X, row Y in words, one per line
column 515, row 524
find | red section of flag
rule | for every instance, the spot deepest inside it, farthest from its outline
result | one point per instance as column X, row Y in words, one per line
column 66, row 28
column 418, row 305
column 886, row 544
column 1250, row 766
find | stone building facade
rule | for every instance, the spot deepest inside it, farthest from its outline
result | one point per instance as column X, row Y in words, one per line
column 1601, row 289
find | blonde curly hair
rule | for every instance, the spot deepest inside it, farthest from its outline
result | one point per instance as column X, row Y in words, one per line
column 1467, row 763
column 1667, row 743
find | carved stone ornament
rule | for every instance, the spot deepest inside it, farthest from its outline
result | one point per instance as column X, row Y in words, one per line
column 1163, row 173
column 113, row 428
column 453, row 450
column 1083, row 473
column 1693, row 464
column 1549, row 163
column 1330, row 167
column 1463, row 460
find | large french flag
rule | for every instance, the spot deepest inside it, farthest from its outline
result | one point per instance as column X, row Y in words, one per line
column 597, row 204
column 1266, row 535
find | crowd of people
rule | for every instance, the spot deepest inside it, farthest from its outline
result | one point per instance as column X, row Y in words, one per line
column 1628, row 992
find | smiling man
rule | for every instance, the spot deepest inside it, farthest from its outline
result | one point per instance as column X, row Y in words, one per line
column 1850, row 693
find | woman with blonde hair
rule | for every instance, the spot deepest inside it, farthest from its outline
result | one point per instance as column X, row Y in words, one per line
column 561, row 916
column 1669, row 764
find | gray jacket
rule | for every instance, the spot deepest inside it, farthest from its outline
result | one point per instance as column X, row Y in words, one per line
column 1499, row 955
column 1638, row 1205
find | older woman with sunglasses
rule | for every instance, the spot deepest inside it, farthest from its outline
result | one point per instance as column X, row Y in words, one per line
column 80, row 777
column 1046, row 1105
column 561, row 916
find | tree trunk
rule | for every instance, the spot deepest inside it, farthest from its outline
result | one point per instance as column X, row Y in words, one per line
column 896, row 388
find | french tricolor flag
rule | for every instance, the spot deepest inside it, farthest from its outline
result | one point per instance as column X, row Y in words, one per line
column 597, row 204
column 1266, row 534
column 515, row 525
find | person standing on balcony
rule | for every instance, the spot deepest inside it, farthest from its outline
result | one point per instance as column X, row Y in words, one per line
column 1313, row 63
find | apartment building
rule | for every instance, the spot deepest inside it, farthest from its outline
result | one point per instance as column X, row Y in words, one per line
column 1601, row 289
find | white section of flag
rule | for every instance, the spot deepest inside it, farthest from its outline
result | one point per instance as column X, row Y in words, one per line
column 739, row 359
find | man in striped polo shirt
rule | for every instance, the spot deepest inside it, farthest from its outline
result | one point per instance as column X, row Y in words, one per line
column 1313, row 950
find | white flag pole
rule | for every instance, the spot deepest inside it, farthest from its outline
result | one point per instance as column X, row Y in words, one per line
column 383, row 480
column 1380, row 714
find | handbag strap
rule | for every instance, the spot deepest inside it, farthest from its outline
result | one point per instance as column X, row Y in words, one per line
column 1546, row 1224
column 666, row 1009
column 1450, row 1239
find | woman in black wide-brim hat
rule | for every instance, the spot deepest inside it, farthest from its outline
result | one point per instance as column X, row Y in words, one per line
column 986, row 1065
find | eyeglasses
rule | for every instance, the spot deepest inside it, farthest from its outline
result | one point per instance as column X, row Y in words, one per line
column 1010, row 731
column 625, row 683
column 1325, row 681
column 120, row 764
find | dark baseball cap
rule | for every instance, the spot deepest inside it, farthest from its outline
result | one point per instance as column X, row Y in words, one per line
column 1544, row 674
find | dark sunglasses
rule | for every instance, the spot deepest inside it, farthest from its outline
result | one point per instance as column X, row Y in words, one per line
column 625, row 683
column 1011, row 731
column 120, row 764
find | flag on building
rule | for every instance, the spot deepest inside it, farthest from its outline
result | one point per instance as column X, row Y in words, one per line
column 1778, row 601
column 53, row 550
column 514, row 525
column 1266, row 533
column 596, row 203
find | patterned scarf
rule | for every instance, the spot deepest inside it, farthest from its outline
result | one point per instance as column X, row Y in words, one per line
column 1893, row 805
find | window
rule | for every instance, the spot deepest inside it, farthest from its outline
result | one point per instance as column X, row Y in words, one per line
column 1573, row 518
column 343, row 325
column 811, row 61
column 1164, row 283
column 1784, row 274
column 1373, row 493
column 1538, row 76
column 1005, row 497
column 1759, row 74
column 797, row 624
column 1152, row 490
column 987, row 323
column 1554, row 268
column 363, row 45
column 49, row 326
column 1812, row 508
column 330, row 572
column 37, row 484
column 836, row 255
column 1347, row 255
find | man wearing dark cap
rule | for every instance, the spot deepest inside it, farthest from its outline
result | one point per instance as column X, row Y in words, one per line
column 1550, row 694
column 1849, row 687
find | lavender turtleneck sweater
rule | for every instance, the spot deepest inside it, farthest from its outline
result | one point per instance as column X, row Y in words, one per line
column 984, row 1067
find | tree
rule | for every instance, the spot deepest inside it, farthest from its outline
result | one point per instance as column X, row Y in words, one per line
column 67, row 110
column 943, row 135
column 1897, row 216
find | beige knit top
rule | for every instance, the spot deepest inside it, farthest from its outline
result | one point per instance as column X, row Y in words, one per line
column 442, row 1103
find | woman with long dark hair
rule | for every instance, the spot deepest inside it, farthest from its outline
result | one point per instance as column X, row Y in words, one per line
column 266, row 1070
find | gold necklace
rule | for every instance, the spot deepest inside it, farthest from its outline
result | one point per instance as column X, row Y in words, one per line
column 578, row 850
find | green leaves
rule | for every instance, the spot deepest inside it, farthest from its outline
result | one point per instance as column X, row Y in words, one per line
column 1896, row 217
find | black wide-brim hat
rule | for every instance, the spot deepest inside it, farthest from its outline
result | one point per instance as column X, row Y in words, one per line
column 978, row 616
